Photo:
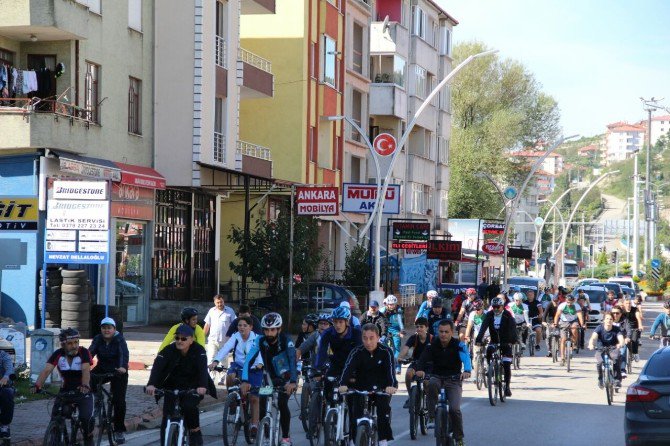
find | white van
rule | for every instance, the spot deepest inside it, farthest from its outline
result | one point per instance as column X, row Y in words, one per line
column 627, row 281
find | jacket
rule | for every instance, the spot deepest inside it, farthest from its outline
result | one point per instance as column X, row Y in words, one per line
column 446, row 360
column 379, row 320
column 506, row 334
column 663, row 321
column 394, row 318
column 110, row 355
column 334, row 349
column 371, row 370
column 278, row 358
column 193, row 367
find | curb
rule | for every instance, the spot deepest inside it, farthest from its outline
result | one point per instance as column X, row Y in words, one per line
column 136, row 365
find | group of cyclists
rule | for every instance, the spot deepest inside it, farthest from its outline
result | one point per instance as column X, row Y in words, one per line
column 343, row 352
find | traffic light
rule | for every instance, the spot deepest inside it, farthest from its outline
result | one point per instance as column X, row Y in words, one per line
column 591, row 250
column 614, row 256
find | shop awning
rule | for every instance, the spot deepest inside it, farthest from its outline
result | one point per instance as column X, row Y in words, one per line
column 87, row 166
column 141, row 176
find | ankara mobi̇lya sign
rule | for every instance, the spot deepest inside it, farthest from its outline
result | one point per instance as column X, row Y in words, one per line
column 362, row 198
column 311, row 200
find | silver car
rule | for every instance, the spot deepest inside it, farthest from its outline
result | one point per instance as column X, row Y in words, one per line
column 597, row 295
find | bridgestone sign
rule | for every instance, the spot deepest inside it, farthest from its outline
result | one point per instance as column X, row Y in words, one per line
column 317, row 200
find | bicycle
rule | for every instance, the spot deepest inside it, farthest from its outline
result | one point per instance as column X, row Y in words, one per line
column 305, row 395
column 444, row 435
column 236, row 414
column 530, row 342
column 494, row 376
column 568, row 348
column 664, row 340
column 268, row 426
column 516, row 349
column 608, row 373
column 317, row 410
column 104, row 409
column 336, row 424
column 366, row 427
column 176, row 433
column 57, row 433
column 479, row 365
column 555, row 341
column 418, row 413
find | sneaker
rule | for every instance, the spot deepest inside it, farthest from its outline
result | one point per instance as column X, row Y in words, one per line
column 4, row 432
column 253, row 431
column 430, row 424
column 617, row 384
column 508, row 391
column 574, row 351
column 406, row 405
column 119, row 437
column 636, row 357
column 195, row 438
column 460, row 442
column 383, row 443
column 562, row 362
column 600, row 383
column 537, row 348
column 285, row 442
column 624, row 375
column 548, row 355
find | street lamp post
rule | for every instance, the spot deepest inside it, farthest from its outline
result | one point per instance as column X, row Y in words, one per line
column 505, row 208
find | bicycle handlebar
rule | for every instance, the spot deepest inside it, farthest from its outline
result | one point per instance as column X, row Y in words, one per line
column 366, row 392
column 104, row 375
column 176, row 392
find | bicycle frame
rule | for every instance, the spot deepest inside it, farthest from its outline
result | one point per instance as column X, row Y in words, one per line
column 176, row 417
column 338, row 410
column 62, row 419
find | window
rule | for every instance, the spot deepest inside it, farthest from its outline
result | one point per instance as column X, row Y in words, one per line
column 356, row 113
column 357, row 50
column 91, row 94
column 399, row 71
column 135, row 14
column 431, row 84
column 219, row 142
column 312, row 60
column 419, row 28
column 416, row 206
column 355, row 170
column 443, row 149
column 6, row 57
column 135, row 106
column 329, row 56
column 445, row 98
column 445, row 44
column 404, row 20
column 443, row 211
column 428, row 144
column 420, row 82
column 93, row 5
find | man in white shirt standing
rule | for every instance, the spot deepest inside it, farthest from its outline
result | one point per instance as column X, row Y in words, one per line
column 217, row 321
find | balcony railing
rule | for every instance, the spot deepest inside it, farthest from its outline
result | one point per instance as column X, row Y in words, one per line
column 254, row 150
column 219, row 147
column 254, row 60
column 58, row 107
column 221, row 52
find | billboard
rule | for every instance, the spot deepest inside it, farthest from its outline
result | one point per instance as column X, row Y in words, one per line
column 362, row 197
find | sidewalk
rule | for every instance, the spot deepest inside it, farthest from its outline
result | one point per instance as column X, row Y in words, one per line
column 31, row 418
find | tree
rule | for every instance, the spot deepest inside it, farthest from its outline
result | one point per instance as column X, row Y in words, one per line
column 602, row 259
column 267, row 252
column 356, row 274
column 497, row 105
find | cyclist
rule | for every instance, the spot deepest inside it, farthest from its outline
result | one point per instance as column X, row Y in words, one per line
column 182, row 365
column 374, row 316
column 634, row 316
column 239, row 345
column 562, row 294
column 501, row 327
column 610, row 302
column 544, row 298
column 112, row 351
column 570, row 316
column 74, row 366
column 474, row 326
column 277, row 352
column 609, row 336
column 426, row 305
column 662, row 321
column 585, row 304
column 436, row 314
column 396, row 328
column 464, row 312
column 189, row 316
column 520, row 312
column 6, row 394
column 371, row 364
column 624, row 325
column 308, row 348
column 309, row 324
column 417, row 342
column 535, row 311
column 548, row 320
column 355, row 322
column 244, row 310
column 447, row 358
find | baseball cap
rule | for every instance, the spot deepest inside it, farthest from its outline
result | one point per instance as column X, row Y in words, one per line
column 374, row 303
column 108, row 321
column 184, row 330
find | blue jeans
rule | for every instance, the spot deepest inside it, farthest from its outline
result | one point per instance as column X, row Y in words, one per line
column 396, row 342
column 623, row 357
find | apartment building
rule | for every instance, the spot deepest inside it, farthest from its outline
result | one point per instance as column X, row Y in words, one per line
column 76, row 88
column 660, row 126
column 622, row 140
column 552, row 164
column 410, row 53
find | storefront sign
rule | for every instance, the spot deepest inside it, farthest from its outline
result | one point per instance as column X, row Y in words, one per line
column 93, row 236
column 128, row 201
column 79, row 190
column 89, row 170
column 493, row 228
column 61, row 235
column 520, row 253
column 362, row 198
column 317, row 200
column 410, row 245
column 18, row 214
column 87, row 258
column 444, row 250
column 77, row 214
column 93, row 246
column 132, row 179
column 408, row 230
column 493, row 248
column 60, row 245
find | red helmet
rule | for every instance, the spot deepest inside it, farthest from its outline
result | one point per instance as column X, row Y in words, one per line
column 471, row 291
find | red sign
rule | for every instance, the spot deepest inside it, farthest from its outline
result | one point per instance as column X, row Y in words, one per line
column 444, row 249
column 317, row 200
column 493, row 248
column 133, row 202
column 142, row 181
column 493, row 228
column 409, row 245
column 384, row 144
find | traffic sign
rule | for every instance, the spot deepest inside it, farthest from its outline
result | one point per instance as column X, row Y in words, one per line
column 510, row 193
column 655, row 263
column 384, row 144
column 538, row 221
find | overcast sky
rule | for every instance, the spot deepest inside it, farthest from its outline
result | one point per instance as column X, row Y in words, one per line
column 595, row 57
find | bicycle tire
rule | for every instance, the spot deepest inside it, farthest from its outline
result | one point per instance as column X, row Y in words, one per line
column 499, row 382
column 363, row 434
column 172, row 435
column 554, row 349
column 230, row 431
column 423, row 412
column 629, row 361
column 330, row 429
column 314, row 432
column 54, row 434
column 414, row 408
column 493, row 388
column 531, row 344
column 568, row 354
column 264, row 436
column 441, row 427
column 478, row 374
column 246, row 413
column 517, row 358
column 304, row 405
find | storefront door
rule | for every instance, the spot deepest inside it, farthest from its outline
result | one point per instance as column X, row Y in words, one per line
column 131, row 283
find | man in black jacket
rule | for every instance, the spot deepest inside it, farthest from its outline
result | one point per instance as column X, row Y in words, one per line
column 374, row 316
column 373, row 366
column 182, row 365
column 502, row 328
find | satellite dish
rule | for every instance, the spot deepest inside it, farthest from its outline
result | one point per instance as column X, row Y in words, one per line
column 385, row 26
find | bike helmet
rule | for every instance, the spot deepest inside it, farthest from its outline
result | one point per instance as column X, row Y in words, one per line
column 341, row 313
column 187, row 313
column 478, row 304
column 570, row 297
column 68, row 334
column 519, row 296
column 431, row 294
column 312, row 319
column 437, row 302
column 271, row 320
column 497, row 302
column 391, row 299
column 325, row 317
column 470, row 291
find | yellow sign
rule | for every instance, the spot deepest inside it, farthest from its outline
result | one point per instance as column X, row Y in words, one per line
column 18, row 209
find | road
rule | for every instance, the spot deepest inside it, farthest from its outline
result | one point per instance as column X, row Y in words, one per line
column 615, row 209
column 548, row 407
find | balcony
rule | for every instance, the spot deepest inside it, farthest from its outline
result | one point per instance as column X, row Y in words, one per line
column 221, row 60
column 258, row 6
column 421, row 170
column 46, row 20
column 394, row 41
column 388, row 100
column 427, row 119
column 254, row 75
column 424, row 54
column 221, row 52
column 219, row 147
column 253, row 159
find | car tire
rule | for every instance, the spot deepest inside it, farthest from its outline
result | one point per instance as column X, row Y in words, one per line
column 79, row 316
column 74, row 289
column 71, row 273
column 67, row 297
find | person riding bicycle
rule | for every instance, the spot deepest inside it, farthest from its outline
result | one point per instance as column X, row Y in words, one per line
column 417, row 342
column 182, row 365
column 74, row 366
column 427, row 304
column 244, row 310
column 189, row 316
column 585, row 303
column 609, row 336
column 609, row 302
column 548, row 320
column 662, row 321
column 464, row 312
column 372, row 365
column 374, row 316
column 436, row 314
column 308, row 326
column 520, row 312
column 308, row 349
column 475, row 321
column 535, row 313
column 501, row 327
column 448, row 361
column 6, row 394
column 396, row 327
column 239, row 345
column 634, row 316
column 624, row 326
column 354, row 321
column 277, row 352
column 112, row 351
column 570, row 316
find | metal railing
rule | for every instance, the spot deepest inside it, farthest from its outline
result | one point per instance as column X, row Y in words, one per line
column 219, row 147
column 254, row 150
column 221, row 50
column 254, row 60
column 57, row 107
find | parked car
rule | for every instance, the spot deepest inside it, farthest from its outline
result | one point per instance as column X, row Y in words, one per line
column 625, row 281
column 524, row 283
column 629, row 291
column 326, row 296
column 597, row 295
column 611, row 286
column 647, row 412
column 583, row 282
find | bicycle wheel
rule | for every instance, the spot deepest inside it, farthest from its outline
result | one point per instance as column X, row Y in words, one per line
column 531, row 344
column 554, row 349
column 172, row 435
column 314, row 432
column 304, row 405
column 442, row 428
column 363, row 434
column 478, row 373
column 246, row 420
column 423, row 412
column 568, row 355
column 499, row 381
column 330, row 429
column 264, row 436
column 629, row 361
column 414, row 408
column 231, row 420
column 517, row 358
column 54, row 434
column 493, row 388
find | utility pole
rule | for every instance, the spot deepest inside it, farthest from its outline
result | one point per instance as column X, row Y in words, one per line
column 636, row 217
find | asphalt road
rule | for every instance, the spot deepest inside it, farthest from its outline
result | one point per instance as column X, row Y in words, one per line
column 549, row 407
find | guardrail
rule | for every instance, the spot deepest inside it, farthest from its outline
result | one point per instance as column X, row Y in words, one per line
column 219, row 147
column 254, row 150
column 254, row 60
column 221, row 52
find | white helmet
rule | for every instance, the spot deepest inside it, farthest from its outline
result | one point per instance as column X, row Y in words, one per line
column 430, row 294
column 519, row 296
column 390, row 300
column 271, row 320
column 344, row 303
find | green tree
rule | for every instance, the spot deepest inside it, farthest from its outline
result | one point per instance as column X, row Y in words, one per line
column 602, row 259
column 356, row 274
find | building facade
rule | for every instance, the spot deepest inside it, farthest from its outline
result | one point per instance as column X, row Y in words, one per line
column 622, row 140
column 660, row 125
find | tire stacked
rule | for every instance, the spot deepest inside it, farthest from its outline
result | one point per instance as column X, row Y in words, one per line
column 53, row 309
column 76, row 302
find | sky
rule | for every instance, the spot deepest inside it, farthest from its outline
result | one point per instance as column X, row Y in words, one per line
column 595, row 57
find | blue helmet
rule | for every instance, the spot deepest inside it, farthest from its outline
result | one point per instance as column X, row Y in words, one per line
column 326, row 317
column 342, row 313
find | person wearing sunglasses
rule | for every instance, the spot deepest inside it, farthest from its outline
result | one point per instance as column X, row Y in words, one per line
column 182, row 365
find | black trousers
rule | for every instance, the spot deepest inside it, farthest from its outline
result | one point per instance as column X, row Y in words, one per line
column 634, row 340
column 118, row 386
column 6, row 405
column 85, row 404
column 383, row 404
column 189, row 409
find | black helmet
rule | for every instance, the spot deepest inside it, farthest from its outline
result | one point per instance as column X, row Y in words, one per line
column 187, row 313
column 312, row 319
column 68, row 334
column 437, row 302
